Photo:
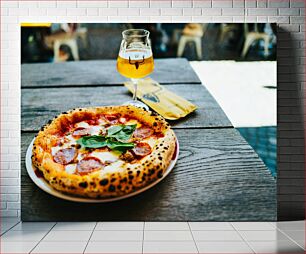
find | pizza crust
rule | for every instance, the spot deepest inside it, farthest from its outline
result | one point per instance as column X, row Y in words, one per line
column 101, row 184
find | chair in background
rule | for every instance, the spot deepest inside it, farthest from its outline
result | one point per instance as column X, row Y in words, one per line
column 227, row 31
column 67, row 36
column 192, row 33
column 252, row 36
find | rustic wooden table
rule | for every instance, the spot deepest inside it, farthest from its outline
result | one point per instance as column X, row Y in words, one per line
column 218, row 176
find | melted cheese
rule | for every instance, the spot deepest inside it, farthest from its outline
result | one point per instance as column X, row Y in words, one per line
column 82, row 124
column 55, row 149
column 106, row 156
column 70, row 168
column 133, row 121
column 102, row 122
column 95, row 130
column 71, row 141
column 80, row 155
column 151, row 141
column 114, row 167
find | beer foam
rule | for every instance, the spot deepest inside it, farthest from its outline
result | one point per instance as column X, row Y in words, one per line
column 135, row 54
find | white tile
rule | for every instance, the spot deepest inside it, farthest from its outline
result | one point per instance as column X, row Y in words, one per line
column 222, row 226
column 74, row 226
column 114, row 247
column 297, row 235
column 166, row 226
column 273, row 235
column 169, row 247
column 9, row 220
column 120, row 225
column 6, row 226
column 291, row 225
column 167, row 236
column 70, row 236
column 99, row 236
column 223, row 247
column 301, row 243
column 216, row 236
column 252, row 226
column 17, row 247
column 60, row 247
column 23, row 236
column 276, row 247
column 33, row 226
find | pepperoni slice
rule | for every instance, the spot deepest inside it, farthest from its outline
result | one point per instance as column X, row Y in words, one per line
column 88, row 165
column 80, row 132
column 142, row 149
column 112, row 118
column 65, row 155
column 143, row 132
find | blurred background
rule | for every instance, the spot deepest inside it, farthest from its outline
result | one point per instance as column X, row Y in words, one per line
column 102, row 41
column 236, row 63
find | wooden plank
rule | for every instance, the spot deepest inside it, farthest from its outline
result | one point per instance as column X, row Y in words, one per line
column 218, row 177
column 41, row 104
column 101, row 72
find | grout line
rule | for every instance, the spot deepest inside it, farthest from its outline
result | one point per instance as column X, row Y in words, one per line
column 90, row 237
column 10, row 228
column 247, row 243
column 232, row 226
column 290, row 238
column 193, row 237
column 42, row 238
column 273, row 225
column 143, row 231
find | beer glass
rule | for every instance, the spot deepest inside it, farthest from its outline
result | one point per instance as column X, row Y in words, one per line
column 135, row 59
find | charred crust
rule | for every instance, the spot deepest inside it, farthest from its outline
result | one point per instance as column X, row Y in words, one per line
column 160, row 174
column 103, row 182
column 83, row 184
column 123, row 180
column 111, row 188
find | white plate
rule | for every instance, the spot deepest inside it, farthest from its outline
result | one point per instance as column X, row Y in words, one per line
column 44, row 185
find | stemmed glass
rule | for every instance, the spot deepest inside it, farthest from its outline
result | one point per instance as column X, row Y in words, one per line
column 135, row 59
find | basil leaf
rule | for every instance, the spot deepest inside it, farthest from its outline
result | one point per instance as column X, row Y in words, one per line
column 116, row 138
column 114, row 129
column 124, row 134
column 120, row 146
column 94, row 141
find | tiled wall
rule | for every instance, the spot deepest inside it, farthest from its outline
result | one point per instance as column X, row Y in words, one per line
column 289, row 14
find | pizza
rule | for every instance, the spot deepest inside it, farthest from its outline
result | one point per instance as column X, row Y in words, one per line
column 102, row 152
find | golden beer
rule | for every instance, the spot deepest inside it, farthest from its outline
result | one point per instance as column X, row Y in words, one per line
column 135, row 59
column 131, row 67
